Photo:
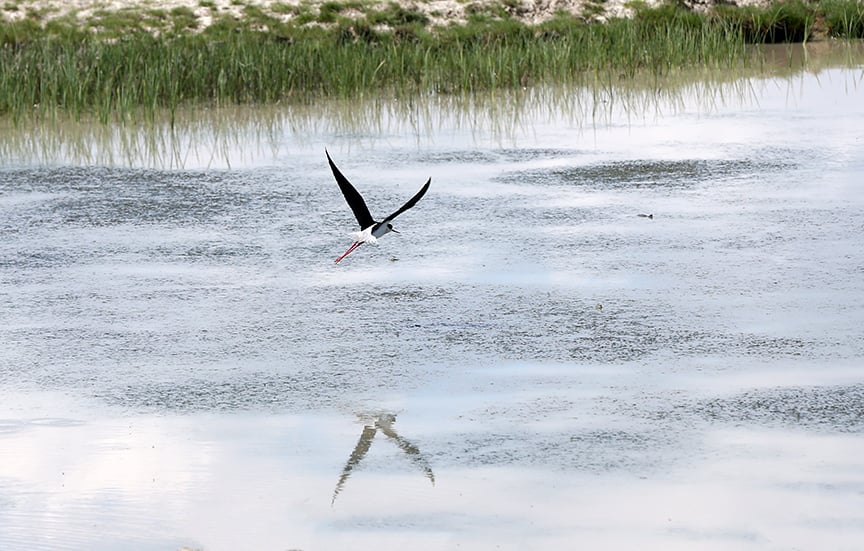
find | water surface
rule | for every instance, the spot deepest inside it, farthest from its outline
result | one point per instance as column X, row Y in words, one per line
column 529, row 364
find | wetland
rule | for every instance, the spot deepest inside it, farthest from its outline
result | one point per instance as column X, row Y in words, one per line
column 132, row 61
column 529, row 364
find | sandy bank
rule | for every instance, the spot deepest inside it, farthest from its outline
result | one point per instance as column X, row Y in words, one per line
column 439, row 12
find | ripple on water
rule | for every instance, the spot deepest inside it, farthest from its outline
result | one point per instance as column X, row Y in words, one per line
column 503, row 155
column 836, row 408
column 648, row 173
column 96, row 197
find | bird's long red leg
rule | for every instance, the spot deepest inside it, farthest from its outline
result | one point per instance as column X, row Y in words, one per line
column 351, row 248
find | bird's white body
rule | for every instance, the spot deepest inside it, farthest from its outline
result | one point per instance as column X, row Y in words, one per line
column 364, row 236
column 371, row 234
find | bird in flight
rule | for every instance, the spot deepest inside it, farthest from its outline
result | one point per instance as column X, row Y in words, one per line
column 370, row 230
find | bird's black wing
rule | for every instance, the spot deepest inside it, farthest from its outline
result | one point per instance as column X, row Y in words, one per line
column 411, row 450
column 410, row 203
column 354, row 199
column 356, row 457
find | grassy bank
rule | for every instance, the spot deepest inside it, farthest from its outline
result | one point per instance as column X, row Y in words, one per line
column 133, row 62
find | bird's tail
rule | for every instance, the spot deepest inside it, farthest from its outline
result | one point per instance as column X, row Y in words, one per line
column 364, row 236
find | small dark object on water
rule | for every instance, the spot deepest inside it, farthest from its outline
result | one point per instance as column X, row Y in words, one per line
column 651, row 216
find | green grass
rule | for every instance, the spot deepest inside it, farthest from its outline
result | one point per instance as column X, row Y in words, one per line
column 125, row 62
column 844, row 18
column 777, row 23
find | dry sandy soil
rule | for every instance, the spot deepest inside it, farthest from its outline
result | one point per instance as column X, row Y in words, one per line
column 439, row 11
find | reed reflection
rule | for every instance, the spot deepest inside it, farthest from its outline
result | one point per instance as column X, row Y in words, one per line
column 372, row 425
column 235, row 136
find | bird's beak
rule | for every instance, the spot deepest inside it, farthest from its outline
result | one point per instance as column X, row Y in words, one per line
column 394, row 231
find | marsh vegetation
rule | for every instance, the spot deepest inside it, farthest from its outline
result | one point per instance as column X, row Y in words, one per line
column 234, row 135
column 117, row 63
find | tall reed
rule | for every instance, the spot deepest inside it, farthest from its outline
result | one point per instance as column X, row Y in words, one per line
column 62, row 67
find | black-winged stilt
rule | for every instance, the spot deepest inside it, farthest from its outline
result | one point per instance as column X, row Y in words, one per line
column 370, row 230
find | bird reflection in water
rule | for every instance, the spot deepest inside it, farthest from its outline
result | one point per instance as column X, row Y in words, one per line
column 383, row 422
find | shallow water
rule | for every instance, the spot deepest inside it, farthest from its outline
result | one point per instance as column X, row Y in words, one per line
column 529, row 364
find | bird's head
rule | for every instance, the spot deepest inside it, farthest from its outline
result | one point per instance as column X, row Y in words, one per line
column 390, row 228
